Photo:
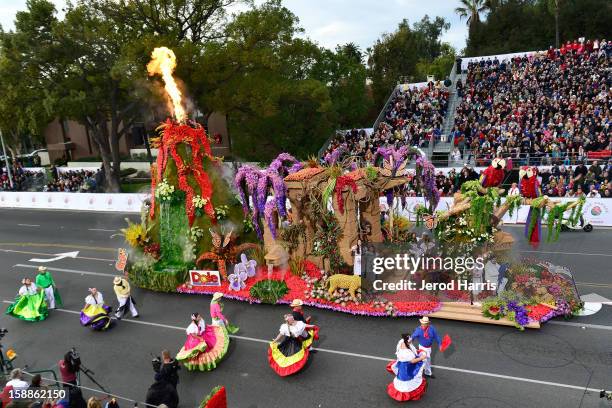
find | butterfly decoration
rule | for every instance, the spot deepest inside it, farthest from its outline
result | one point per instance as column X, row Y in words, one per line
column 247, row 265
column 390, row 169
column 216, row 238
column 431, row 222
column 237, row 279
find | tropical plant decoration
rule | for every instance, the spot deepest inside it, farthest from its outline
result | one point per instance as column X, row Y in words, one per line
column 172, row 136
column 269, row 290
column 224, row 250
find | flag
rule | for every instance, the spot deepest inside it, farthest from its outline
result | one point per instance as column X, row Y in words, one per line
column 446, row 341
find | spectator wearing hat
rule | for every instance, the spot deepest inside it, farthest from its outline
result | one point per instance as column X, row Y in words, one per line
column 122, row 290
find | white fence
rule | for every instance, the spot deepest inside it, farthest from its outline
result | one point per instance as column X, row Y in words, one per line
column 129, row 203
column 597, row 211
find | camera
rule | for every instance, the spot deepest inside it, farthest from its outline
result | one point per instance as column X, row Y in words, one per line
column 3, row 332
column 605, row 394
column 75, row 359
column 156, row 362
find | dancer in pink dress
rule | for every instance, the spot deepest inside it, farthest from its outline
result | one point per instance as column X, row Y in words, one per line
column 205, row 346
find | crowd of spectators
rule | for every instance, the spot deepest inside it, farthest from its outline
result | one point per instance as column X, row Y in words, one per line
column 22, row 179
column 593, row 181
column 73, row 181
column 546, row 108
column 414, row 117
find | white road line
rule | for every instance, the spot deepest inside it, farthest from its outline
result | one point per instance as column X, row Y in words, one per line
column 566, row 253
column 28, row 225
column 40, row 253
column 100, row 229
column 386, row 359
column 65, row 270
column 585, row 325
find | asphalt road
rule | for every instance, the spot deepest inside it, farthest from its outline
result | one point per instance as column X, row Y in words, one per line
column 560, row 365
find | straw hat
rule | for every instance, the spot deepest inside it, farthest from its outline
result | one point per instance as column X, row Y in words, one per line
column 296, row 303
column 117, row 280
column 217, row 295
column 42, row 269
column 424, row 320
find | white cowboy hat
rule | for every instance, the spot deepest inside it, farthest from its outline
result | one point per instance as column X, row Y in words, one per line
column 117, row 280
column 424, row 320
column 296, row 302
column 217, row 295
column 42, row 269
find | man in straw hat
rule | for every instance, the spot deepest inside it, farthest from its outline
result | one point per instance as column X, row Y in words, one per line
column 125, row 299
column 45, row 282
column 298, row 312
column 426, row 334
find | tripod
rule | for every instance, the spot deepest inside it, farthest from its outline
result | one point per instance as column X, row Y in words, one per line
column 89, row 374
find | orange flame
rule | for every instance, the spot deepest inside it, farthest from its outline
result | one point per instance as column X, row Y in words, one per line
column 163, row 62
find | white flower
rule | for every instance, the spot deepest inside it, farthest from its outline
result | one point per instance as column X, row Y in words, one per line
column 164, row 190
column 199, row 202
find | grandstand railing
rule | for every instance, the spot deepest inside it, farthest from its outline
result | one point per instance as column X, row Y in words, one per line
column 383, row 111
column 524, row 159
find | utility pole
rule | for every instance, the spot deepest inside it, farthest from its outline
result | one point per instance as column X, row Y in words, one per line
column 8, row 168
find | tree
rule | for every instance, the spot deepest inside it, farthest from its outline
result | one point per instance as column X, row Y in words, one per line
column 471, row 10
column 22, row 109
column 397, row 55
column 261, row 77
column 526, row 25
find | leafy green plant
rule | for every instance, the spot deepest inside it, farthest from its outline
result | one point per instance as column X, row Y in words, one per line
column 269, row 290
column 296, row 265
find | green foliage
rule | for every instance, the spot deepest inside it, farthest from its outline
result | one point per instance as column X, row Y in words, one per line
column 157, row 276
column 269, row 290
column 173, row 232
column 514, row 26
column 397, row 55
column 296, row 265
column 291, row 236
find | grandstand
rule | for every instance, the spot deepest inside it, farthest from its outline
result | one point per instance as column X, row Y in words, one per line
column 534, row 108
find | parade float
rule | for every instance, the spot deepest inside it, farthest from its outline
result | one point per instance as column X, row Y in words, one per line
column 293, row 229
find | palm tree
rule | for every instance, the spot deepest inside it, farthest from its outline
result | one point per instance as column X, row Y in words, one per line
column 471, row 10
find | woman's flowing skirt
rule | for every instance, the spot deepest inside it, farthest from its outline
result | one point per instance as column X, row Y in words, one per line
column 291, row 354
column 231, row 329
column 204, row 354
column 96, row 316
column 31, row 308
column 411, row 390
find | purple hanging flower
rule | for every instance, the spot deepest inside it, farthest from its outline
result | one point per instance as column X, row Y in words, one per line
column 280, row 165
column 428, row 177
column 262, row 192
column 280, row 193
column 269, row 215
column 389, row 196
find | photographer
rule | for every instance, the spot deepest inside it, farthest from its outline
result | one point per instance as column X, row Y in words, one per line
column 167, row 368
column 162, row 392
column 69, row 367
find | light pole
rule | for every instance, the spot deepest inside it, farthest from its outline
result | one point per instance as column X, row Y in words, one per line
column 8, row 168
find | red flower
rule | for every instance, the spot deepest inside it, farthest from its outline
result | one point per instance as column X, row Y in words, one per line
column 341, row 182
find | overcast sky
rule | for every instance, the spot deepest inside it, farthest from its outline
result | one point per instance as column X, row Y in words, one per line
column 332, row 22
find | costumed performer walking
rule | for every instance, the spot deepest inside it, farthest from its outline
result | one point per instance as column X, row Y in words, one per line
column 95, row 314
column 45, row 281
column 426, row 334
column 216, row 314
column 205, row 346
column 298, row 312
column 289, row 356
column 408, row 384
column 122, row 290
column 30, row 304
